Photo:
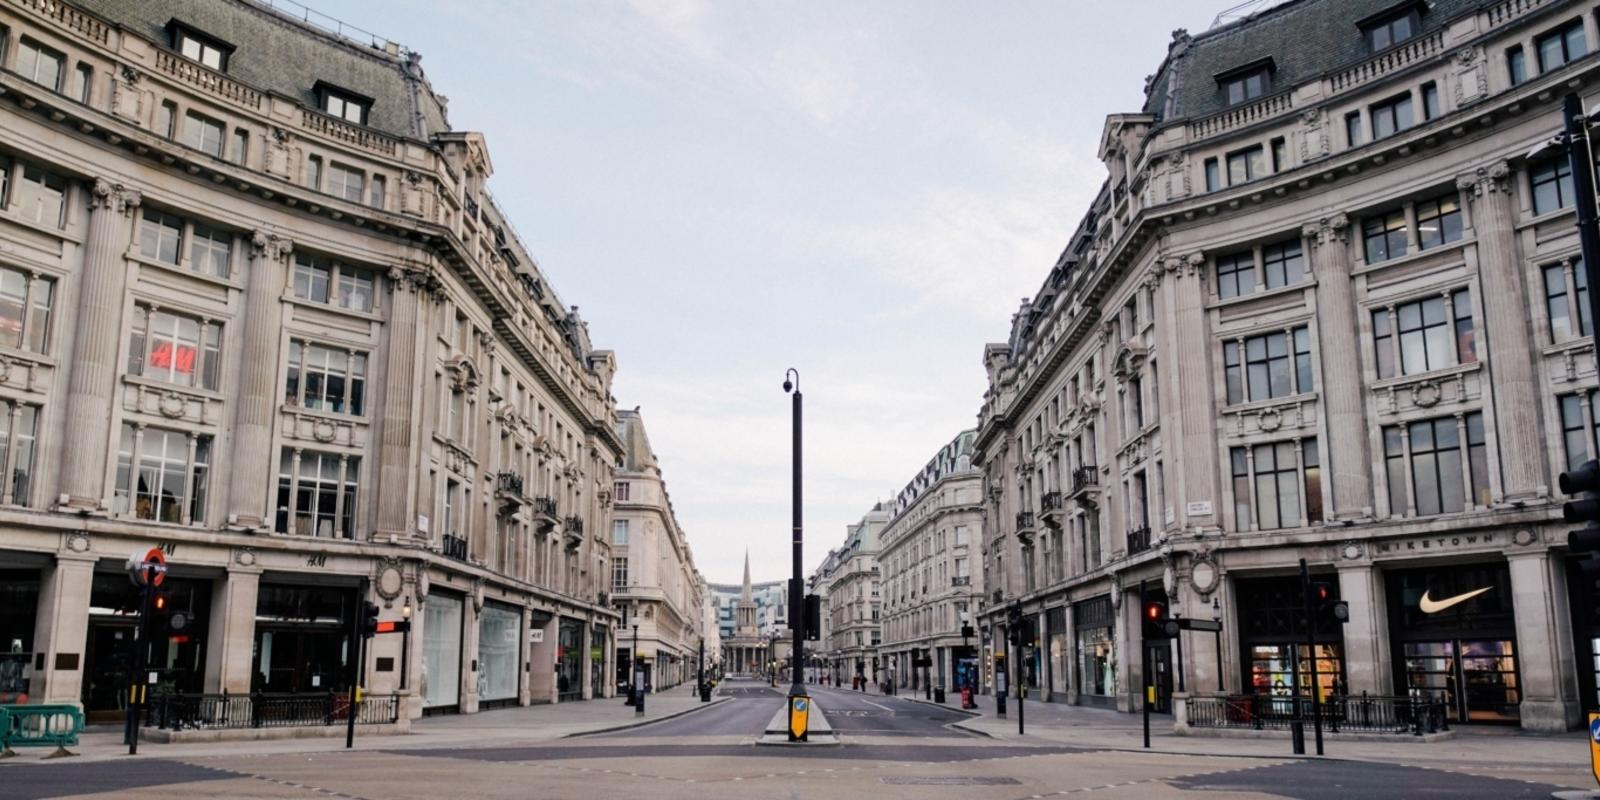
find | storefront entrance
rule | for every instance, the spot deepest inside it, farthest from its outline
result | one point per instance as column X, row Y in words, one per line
column 176, row 651
column 1095, row 644
column 441, row 653
column 1272, row 639
column 19, row 611
column 302, row 638
column 569, row 660
column 1455, row 639
column 499, row 638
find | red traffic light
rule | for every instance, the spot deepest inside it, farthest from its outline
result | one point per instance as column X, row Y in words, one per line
column 1321, row 591
column 1154, row 611
column 159, row 602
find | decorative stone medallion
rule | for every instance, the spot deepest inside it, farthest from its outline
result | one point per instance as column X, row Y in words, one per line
column 78, row 542
column 1524, row 537
column 1350, row 551
column 390, row 579
column 1203, row 575
column 244, row 557
column 1270, row 420
column 323, row 431
column 172, row 405
column 1426, row 394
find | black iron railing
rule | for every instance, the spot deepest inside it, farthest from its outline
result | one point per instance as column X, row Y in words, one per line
column 1050, row 502
column 509, row 482
column 1139, row 539
column 454, row 547
column 1085, row 477
column 1024, row 521
column 223, row 711
column 961, row 580
column 575, row 525
column 545, row 506
column 1362, row 713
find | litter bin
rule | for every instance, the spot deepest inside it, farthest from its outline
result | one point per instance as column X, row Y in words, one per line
column 938, row 694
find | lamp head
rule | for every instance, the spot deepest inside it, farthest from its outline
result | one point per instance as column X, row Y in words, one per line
column 791, row 380
column 1216, row 610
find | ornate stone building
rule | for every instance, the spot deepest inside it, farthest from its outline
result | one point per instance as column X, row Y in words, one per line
column 261, row 312
column 1325, row 307
column 855, row 607
column 931, row 574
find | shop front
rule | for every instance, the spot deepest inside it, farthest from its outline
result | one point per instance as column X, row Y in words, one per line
column 302, row 637
column 499, row 665
column 1454, row 637
column 599, row 642
column 569, row 660
column 1094, row 630
column 441, row 652
column 1057, row 651
column 1272, row 639
column 19, row 612
column 176, row 652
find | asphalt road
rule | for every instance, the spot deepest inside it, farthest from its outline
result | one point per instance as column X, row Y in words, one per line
column 860, row 714
column 747, row 714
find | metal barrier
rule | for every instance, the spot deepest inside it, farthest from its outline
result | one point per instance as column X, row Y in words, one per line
column 1363, row 713
column 238, row 711
column 39, row 726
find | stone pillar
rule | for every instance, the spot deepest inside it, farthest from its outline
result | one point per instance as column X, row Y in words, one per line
column 1366, row 635
column 470, row 666
column 102, row 292
column 1345, row 458
column 586, row 668
column 1130, row 666
column 253, row 463
column 1196, row 477
column 525, row 680
column 231, row 634
column 542, row 662
column 401, row 386
column 1544, row 649
column 61, row 630
column 1512, row 356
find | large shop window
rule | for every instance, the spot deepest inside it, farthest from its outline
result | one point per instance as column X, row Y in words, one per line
column 25, row 301
column 569, row 660
column 326, row 378
column 19, row 608
column 176, row 651
column 1566, row 294
column 1269, row 366
column 1423, row 335
column 1272, row 638
column 441, row 651
column 1443, row 462
column 302, row 638
column 19, row 425
column 1056, row 620
column 317, row 493
column 323, row 280
column 1094, row 624
column 1281, row 481
column 162, row 475
column 1454, row 638
column 499, row 639
column 175, row 349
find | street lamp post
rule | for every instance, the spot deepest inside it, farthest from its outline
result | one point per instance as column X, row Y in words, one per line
column 799, row 703
column 1216, row 616
column 700, row 673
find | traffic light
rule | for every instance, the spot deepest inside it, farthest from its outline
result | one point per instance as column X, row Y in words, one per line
column 1585, row 483
column 813, row 617
column 369, row 619
column 1329, row 611
column 1014, row 625
column 1154, row 619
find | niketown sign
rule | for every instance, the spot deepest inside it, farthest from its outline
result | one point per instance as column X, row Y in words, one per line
column 1430, row 543
column 1432, row 606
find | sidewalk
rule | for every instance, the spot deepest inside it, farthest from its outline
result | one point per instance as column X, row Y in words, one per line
column 504, row 726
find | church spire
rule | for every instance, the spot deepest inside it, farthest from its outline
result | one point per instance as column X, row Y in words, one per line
column 746, row 594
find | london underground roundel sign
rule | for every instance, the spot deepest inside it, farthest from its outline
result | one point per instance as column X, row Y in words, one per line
column 152, row 567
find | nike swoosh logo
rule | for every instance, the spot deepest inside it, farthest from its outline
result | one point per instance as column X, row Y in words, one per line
column 1431, row 606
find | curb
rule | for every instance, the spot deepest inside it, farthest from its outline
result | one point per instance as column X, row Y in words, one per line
column 639, row 723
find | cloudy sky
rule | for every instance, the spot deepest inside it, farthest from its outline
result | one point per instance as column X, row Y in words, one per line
column 861, row 189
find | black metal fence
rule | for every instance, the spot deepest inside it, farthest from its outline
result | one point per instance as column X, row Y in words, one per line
column 1363, row 713
column 224, row 711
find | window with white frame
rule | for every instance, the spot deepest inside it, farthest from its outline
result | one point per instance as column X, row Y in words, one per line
column 209, row 250
column 1427, row 334
column 323, row 280
column 174, row 348
column 1268, row 366
column 1578, row 427
column 162, row 475
column 345, row 182
column 25, row 310
column 19, row 423
column 160, row 236
column 1566, row 300
column 619, row 572
column 1436, row 466
column 201, row 50
column 1276, row 484
column 40, row 64
column 345, row 105
column 619, row 532
column 332, row 379
column 620, row 489
column 203, row 133
column 1280, row 264
column 41, row 197
column 317, row 493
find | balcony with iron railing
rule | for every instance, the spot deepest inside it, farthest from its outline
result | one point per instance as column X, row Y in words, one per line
column 961, row 580
column 573, row 530
column 546, row 515
column 1139, row 540
column 1052, row 509
column 453, row 547
column 1085, row 479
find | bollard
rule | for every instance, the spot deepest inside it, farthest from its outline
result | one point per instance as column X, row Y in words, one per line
column 1297, row 730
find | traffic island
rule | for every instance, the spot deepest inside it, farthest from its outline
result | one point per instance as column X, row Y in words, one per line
column 818, row 734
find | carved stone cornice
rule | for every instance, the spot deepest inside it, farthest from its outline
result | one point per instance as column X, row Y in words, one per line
column 1335, row 228
column 269, row 246
column 113, row 197
column 1486, row 179
column 1191, row 265
column 422, row 280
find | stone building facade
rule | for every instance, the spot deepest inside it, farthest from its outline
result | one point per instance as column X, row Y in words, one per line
column 262, row 313
column 931, row 572
column 654, row 583
column 855, row 606
column 1326, row 306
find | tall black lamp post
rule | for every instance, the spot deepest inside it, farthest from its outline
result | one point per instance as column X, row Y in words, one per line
column 799, row 702
column 1216, row 616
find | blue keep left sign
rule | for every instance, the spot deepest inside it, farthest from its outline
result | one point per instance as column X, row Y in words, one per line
column 800, row 705
column 1594, row 729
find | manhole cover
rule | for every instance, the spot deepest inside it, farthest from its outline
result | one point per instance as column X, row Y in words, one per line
column 914, row 780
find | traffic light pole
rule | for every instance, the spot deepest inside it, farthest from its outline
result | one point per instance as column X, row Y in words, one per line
column 1580, row 158
column 136, row 676
column 1144, row 671
column 1311, row 651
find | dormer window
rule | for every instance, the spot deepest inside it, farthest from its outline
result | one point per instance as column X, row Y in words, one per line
column 1392, row 27
column 1247, row 82
column 342, row 103
column 199, row 47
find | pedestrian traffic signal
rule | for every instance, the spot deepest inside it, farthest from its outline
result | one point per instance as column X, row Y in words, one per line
column 1329, row 610
column 1584, row 482
column 369, row 619
column 1154, row 619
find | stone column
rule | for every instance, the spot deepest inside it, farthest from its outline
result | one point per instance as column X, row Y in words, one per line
column 231, row 634
column 1544, row 648
column 102, row 291
column 61, row 629
column 253, row 463
column 401, row 385
column 471, row 667
column 1345, row 452
column 1512, row 356
column 1196, row 479
column 1366, row 635
column 542, row 663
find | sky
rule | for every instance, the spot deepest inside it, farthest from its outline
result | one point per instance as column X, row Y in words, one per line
column 863, row 190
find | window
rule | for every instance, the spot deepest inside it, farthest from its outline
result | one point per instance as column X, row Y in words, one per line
column 208, row 52
column 960, row 536
column 166, row 119
column 314, row 173
column 317, row 494
column 1392, row 30
column 209, row 250
column 1516, row 65
column 1558, row 47
column 19, row 425
column 322, row 280
column 1391, row 116
column 1246, row 165
column 1428, row 334
column 1438, row 221
column 619, row 532
column 1352, row 128
column 1280, row 494
column 1268, row 366
column 1446, row 462
column 1385, row 236
column 326, row 378
column 42, row 197
column 160, row 236
column 175, row 349
column 1552, row 185
column 1244, row 87
column 241, row 145
column 40, row 64
column 1280, row 154
column 1236, row 275
column 1430, row 100
column 24, row 310
column 1283, row 264
column 162, row 475
column 619, row 572
column 379, row 190
column 1213, row 175
column 203, row 134
column 620, row 489
column 344, row 105
column 1577, row 437
column 1566, row 291
column 346, row 182
column 85, row 83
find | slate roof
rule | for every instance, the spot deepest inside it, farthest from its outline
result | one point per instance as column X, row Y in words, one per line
column 281, row 54
column 1304, row 39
